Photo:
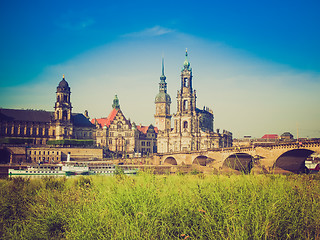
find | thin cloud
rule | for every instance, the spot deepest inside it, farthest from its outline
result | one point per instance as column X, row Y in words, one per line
column 150, row 32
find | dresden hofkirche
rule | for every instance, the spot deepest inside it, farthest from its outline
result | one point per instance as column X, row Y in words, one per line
column 192, row 127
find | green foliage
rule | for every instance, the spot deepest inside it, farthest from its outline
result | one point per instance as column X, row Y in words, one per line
column 54, row 183
column 150, row 206
column 73, row 142
column 118, row 171
column 83, row 182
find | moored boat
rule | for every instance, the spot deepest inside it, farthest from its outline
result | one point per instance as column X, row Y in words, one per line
column 36, row 170
column 71, row 169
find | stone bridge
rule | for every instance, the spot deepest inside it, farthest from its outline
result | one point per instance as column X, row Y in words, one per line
column 258, row 158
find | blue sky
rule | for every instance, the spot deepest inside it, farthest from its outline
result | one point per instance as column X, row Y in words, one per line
column 255, row 63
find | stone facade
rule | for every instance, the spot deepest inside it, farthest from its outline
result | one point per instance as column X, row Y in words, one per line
column 121, row 137
column 192, row 128
column 56, row 155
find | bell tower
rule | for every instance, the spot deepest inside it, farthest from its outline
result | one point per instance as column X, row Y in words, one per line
column 186, row 98
column 186, row 102
column 62, row 111
column 163, row 101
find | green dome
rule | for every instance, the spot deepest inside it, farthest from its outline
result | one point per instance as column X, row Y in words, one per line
column 162, row 97
column 186, row 63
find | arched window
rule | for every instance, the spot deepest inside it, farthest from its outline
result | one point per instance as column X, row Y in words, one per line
column 64, row 115
column 185, row 82
column 185, row 124
column 185, row 105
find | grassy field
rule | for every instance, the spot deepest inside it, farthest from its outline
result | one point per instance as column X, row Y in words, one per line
column 161, row 207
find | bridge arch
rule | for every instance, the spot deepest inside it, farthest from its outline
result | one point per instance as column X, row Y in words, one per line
column 293, row 160
column 242, row 162
column 200, row 160
column 170, row 161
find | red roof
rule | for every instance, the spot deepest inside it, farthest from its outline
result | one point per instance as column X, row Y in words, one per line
column 270, row 136
column 106, row 121
column 144, row 129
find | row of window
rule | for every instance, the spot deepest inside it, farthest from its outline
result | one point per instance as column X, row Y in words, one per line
column 44, row 152
column 24, row 131
column 44, row 159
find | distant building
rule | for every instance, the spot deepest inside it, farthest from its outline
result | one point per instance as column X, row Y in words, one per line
column 120, row 136
column 286, row 136
column 192, row 127
column 36, row 127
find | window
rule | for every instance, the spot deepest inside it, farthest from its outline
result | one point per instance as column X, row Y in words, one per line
column 185, row 105
column 148, row 144
column 64, row 115
column 143, row 143
column 185, row 124
column 185, row 82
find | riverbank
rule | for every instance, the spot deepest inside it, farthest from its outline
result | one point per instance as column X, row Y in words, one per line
column 152, row 206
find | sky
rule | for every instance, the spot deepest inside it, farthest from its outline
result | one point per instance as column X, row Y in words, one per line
column 256, row 64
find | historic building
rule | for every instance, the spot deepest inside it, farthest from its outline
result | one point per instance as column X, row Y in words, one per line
column 38, row 126
column 192, row 127
column 120, row 136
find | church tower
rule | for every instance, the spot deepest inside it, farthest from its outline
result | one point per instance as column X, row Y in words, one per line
column 163, row 101
column 62, row 111
column 186, row 101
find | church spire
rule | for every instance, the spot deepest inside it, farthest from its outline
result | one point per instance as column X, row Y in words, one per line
column 186, row 63
column 163, row 77
column 163, row 84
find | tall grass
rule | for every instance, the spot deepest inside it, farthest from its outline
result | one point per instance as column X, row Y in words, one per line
column 161, row 207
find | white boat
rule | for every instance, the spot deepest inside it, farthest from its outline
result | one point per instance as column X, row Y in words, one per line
column 110, row 169
column 72, row 169
column 45, row 170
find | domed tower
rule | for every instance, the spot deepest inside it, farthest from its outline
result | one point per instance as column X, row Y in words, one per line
column 63, row 105
column 62, row 111
column 163, row 101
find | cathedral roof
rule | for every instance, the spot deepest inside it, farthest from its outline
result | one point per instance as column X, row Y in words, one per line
column 144, row 129
column 63, row 84
column 21, row 115
column 108, row 120
column 80, row 120
column 162, row 97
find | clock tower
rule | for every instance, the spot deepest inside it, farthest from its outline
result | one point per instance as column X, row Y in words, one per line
column 163, row 101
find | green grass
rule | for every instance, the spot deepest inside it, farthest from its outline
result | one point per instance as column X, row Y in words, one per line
column 161, row 207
